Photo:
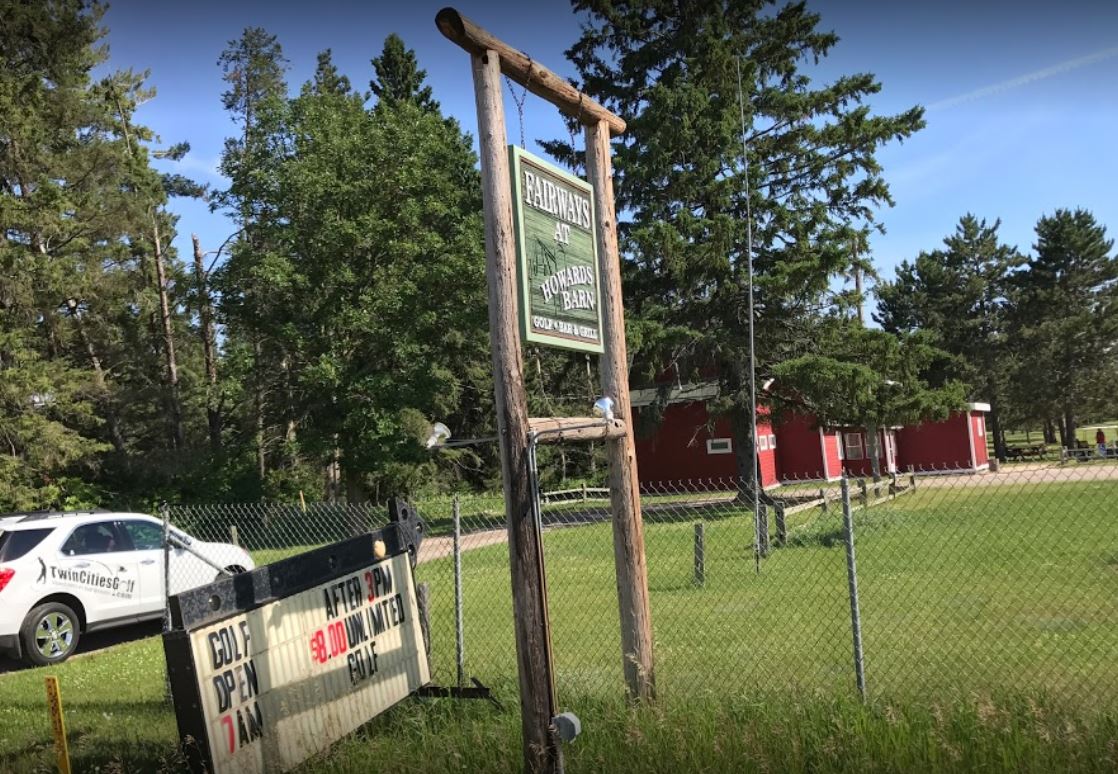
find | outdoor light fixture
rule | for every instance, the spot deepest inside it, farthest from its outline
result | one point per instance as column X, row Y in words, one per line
column 603, row 407
column 439, row 434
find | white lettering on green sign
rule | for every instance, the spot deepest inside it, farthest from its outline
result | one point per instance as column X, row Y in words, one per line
column 557, row 255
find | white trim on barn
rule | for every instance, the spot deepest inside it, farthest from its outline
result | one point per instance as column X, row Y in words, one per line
column 970, row 435
column 720, row 446
column 984, row 407
column 823, row 451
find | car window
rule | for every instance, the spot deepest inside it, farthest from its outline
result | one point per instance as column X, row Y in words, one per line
column 99, row 538
column 144, row 535
column 15, row 545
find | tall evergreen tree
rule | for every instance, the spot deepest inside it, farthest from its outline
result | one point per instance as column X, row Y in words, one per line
column 958, row 295
column 389, row 325
column 1065, row 319
column 398, row 77
column 81, row 206
column 688, row 194
column 252, row 281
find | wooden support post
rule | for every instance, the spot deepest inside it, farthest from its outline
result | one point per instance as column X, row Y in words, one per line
column 893, row 484
column 700, row 554
column 865, row 492
column 781, row 525
column 533, row 648
column 628, row 526
column 912, row 477
column 823, row 497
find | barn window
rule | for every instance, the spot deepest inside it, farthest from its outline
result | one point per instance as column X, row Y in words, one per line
column 772, row 441
column 720, row 446
column 763, row 443
column 854, row 446
column 838, row 445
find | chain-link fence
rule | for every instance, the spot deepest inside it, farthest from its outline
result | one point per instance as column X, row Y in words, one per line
column 923, row 587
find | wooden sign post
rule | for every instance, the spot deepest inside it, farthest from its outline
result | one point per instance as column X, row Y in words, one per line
column 490, row 59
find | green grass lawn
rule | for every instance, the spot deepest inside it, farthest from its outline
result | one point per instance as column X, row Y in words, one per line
column 990, row 628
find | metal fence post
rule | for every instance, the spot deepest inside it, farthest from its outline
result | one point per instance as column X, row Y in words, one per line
column 459, row 630
column 781, row 525
column 700, row 553
column 852, row 584
column 763, row 528
column 165, row 512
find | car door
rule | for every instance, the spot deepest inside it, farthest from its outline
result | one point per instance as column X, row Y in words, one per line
column 95, row 564
column 145, row 539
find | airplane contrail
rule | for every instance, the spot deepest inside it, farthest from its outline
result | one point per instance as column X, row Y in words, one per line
column 1013, row 83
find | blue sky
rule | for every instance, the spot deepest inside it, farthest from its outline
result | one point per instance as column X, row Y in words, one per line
column 1022, row 96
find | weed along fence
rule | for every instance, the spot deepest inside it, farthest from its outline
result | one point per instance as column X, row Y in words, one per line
column 920, row 590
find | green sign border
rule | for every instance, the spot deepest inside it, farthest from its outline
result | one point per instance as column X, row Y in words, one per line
column 516, row 155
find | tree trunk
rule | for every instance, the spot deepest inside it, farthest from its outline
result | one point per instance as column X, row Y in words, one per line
column 745, row 453
column 356, row 497
column 99, row 380
column 873, row 449
column 174, row 399
column 209, row 346
column 258, row 408
column 334, row 474
column 290, row 432
column 1063, row 435
column 997, row 432
column 1049, row 432
column 1069, row 428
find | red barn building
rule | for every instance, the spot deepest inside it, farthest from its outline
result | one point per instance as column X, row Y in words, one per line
column 808, row 451
column 958, row 443
column 688, row 446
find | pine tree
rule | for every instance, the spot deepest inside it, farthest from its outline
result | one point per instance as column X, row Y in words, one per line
column 251, row 281
column 63, row 202
column 388, row 265
column 672, row 71
column 1065, row 319
column 399, row 78
column 959, row 295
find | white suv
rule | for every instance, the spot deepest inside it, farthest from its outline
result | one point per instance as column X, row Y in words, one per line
column 62, row 574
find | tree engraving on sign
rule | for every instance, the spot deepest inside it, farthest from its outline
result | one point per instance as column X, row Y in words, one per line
column 557, row 255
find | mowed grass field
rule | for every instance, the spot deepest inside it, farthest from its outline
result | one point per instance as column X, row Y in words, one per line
column 989, row 621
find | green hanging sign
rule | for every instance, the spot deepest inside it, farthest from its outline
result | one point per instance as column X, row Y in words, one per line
column 557, row 255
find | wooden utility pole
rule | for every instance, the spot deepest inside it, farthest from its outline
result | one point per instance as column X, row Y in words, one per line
column 537, row 696
column 624, row 489
column 491, row 58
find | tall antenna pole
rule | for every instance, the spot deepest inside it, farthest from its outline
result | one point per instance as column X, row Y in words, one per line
column 749, row 327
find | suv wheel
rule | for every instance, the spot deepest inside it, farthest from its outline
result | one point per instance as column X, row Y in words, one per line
column 50, row 634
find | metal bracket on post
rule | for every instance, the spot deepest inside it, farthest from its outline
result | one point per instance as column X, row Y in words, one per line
column 409, row 525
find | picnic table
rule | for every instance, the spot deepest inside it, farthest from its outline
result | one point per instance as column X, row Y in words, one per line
column 1085, row 453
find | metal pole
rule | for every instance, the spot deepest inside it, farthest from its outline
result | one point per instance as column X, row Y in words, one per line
column 757, row 552
column 165, row 512
column 700, row 553
column 852, row 584
column 459, row 631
